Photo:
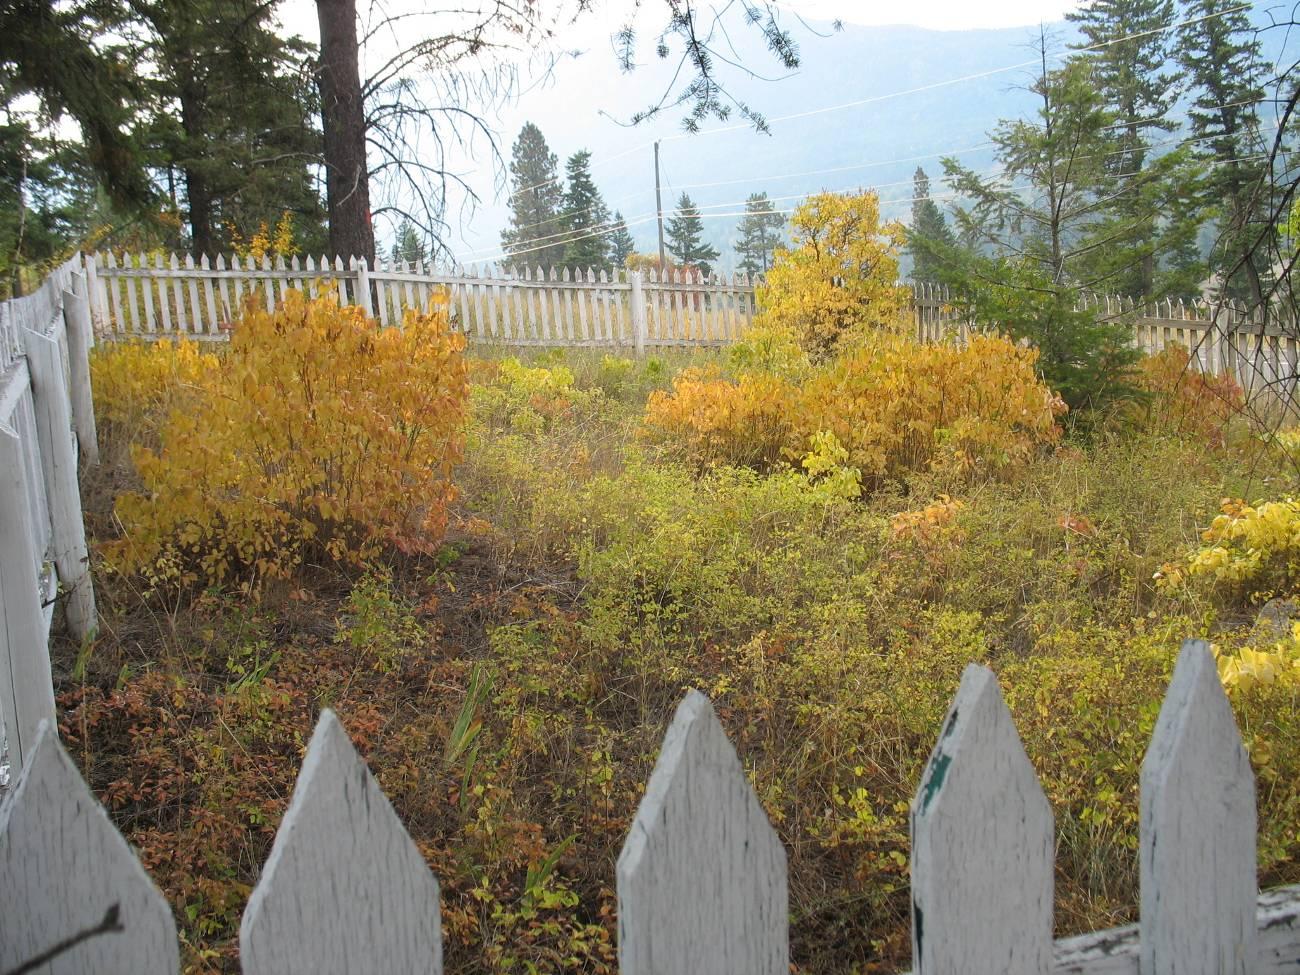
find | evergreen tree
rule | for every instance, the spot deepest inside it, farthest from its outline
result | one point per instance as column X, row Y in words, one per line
column 408, row 248
column 1127, row 45
column 586, row 218
column 929, row 238
column 1225, row 73
column 1036, row 227
column 685, row 233
column 621, row 244
column 536, row 231
column 243, row 161
column 760, row 232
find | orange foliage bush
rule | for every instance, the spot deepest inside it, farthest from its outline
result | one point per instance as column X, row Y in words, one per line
column 898, row 405
column 1187, row 400
column 318, row 434
column 715, row 421
column 894, row 404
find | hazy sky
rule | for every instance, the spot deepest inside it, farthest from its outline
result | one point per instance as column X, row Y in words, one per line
column 591, row 83
column 299, row 16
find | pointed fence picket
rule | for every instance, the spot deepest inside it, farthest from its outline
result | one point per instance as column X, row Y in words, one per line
column 981, row 884
column 67, row 873
column 701, row 880
column 702, row 876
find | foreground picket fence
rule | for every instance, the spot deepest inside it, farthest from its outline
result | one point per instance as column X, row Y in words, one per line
column 701, row 880
column 47, row 424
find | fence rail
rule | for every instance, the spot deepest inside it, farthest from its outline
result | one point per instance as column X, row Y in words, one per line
column 701, row 880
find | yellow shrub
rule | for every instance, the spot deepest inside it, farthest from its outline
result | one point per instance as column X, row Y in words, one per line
column 715, row 421
column 898, row 405
column 838, row 277
column 1246, row 667
column 1255, row 548
column 524, row 398
column 136, row 384
column 317, row 435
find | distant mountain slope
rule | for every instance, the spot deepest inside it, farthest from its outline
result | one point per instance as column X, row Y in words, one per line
column 908, row 115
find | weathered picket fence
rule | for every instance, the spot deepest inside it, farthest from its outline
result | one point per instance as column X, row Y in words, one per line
column 1222, row 337
column 523, row 306
column 701, row 880
column 152, row 296
column 47, row 422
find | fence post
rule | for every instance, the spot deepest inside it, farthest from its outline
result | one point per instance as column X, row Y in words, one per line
column 95, row 293
column 59, row 464
column 638, row 313
column 27, row 687
column 363, row 288
column 81, row 338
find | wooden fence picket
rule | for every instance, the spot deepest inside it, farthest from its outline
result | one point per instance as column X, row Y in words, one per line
column 65, row 870
column 1197, row 830
column 702, row 876
column 982, row 845
column 345, row 889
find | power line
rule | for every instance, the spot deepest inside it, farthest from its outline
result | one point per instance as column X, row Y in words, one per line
column 648, row 217
column 875, row 99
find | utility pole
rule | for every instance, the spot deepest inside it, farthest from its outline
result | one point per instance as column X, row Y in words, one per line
column 659, row 206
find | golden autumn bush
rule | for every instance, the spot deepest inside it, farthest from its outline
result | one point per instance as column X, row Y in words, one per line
column 838, row 277
column 317, row 435
column 137, row 383
column 895, row 405
column 747, row 423
column 1186, row 400
column 898, row 405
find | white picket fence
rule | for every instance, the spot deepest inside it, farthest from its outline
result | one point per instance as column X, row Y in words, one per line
column 1222, row 337
column 701, row 880
column 47, row 422
column 149, row 297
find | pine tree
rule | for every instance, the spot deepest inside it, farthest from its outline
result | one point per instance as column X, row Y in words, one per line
column 408, row 248
column 1225, row 72
column 243, row 161
column 685, row 232
column 621, row 244
column 536, row 232
column 1037, row 227
column 760, row 232
column 586, row 218
column 929, row 238
column 1127, row 45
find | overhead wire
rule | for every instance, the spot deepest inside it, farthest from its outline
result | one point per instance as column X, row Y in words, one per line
column 875, row 99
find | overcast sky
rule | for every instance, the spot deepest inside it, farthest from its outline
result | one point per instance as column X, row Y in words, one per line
column 592, row 92
column 299, row 16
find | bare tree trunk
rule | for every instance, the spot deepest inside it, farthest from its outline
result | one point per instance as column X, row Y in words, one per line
column 347, row 177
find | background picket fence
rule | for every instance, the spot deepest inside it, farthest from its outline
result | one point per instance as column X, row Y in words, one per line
column 701, row 880
column 47, row 424
column 153, row 296
column 523, row 306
